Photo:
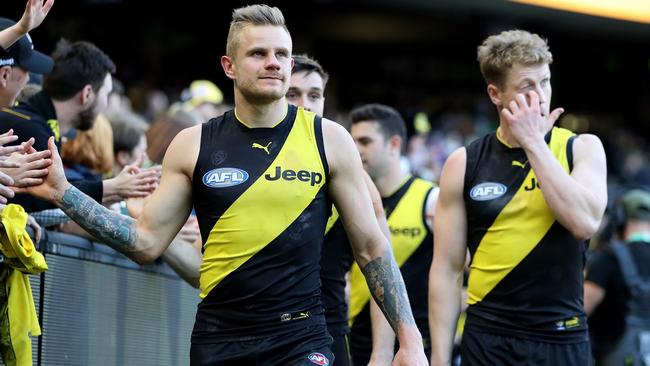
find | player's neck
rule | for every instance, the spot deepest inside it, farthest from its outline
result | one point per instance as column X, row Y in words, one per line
column 506, row 138
column 261, row 115
column 390, row 182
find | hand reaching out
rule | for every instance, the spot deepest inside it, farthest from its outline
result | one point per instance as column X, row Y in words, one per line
column 35, row 13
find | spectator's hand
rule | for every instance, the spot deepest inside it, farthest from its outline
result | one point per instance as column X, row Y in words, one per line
column 35, row 13
column 31, row 222
column 30, row 167
column 5, row 151
column 5, row 192
column 133, row 182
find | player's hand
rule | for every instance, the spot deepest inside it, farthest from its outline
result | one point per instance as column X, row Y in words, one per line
column 525, row 120
column 408, row 357
column 55, row 184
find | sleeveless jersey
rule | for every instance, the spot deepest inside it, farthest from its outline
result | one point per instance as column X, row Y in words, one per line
column 261, row 202
column 526, row 271
column 336, row 261
column 412, row 243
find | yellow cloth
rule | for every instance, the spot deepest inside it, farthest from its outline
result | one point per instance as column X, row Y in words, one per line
column 18, row 319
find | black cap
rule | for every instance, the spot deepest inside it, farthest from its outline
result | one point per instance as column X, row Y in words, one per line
column 23, row 54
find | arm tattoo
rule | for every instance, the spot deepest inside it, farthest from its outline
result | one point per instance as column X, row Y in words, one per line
column 387, row 287
column 117, row 231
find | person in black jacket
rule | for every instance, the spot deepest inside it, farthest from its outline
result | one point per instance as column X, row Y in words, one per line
column 74, row 93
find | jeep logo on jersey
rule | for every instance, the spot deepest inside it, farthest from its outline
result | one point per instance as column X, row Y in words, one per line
column 318, row 359
column 313, row 178
column 224, row 177
column 487, row 191
column 406, row 231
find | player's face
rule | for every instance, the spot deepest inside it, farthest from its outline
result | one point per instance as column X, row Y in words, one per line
column 261, row 66
column 520, row 80
column 86, row 118
column 306, row 90
column 372, row 146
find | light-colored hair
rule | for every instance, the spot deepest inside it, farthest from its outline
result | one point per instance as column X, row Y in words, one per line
column 93, row 148
column 251, row 15
column 500, row 52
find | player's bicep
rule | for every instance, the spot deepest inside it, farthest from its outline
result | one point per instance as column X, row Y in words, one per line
column 450, row 221
column 167, row 209
column 590, row 168
column 349, row 191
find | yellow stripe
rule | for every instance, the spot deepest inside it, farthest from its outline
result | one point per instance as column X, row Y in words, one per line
column 520, row 226
column 17, row 114
column 406, row 215
column 54, row 126
column 266, row 209
column 332, row 220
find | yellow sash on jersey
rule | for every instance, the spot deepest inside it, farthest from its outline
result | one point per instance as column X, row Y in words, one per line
column 266, row 208
column 406, row 215
column 332, row 220
column 520, row 226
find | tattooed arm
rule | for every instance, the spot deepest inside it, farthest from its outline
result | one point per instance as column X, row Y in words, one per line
column 165, row 212
column 371, row 249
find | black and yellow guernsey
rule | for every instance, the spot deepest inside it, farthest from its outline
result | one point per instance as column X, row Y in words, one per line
column 336, row 261
column 261, row 201
column 412, row 243
column 526, row 271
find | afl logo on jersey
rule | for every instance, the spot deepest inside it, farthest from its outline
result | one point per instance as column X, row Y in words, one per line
column 487, row 191
column 318, row 359
column 224, row 177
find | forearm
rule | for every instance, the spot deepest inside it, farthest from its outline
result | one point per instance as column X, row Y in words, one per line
column 387, row 288
column 383, row 337
column 10, row 35
column 444, row 309
column 115, row 230
column 185, row 260
column 574, row 206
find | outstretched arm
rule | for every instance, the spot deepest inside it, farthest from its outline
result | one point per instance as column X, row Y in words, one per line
column 371, row 249
column 35, row 13
column 163, row 215
column 446, row 274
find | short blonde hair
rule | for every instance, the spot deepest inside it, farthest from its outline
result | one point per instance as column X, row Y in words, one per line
column 252, row 15
column 499, row 52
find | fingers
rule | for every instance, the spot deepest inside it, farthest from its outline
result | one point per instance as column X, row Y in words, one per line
column 47, row 6
column 5, row 193
column 8, row 164
column 54, row 152
column 28, row 182
column 8, row 133
column 27, row 145
column 555, row 114
column 8, row 150
column 6, row 179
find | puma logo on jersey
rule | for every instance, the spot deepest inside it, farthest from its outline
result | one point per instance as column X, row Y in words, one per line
column 313, row 178
column 265, row 148
column 520, row 164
